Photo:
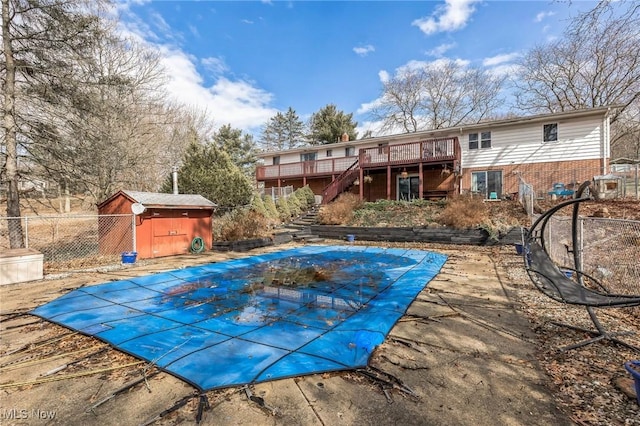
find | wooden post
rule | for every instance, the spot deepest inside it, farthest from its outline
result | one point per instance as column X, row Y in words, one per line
column 361, row 177
column 388, row 182
column 420, row 181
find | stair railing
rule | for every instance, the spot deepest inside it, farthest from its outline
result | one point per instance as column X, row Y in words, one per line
column 342, row 182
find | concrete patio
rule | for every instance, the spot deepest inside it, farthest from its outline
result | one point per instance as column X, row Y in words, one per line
column 462, row 355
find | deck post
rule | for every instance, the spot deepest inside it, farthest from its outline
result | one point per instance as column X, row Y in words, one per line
column 388, row 182
column 361, row 177
column 420, row 181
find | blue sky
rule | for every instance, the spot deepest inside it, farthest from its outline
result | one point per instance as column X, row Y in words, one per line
column 244, row 61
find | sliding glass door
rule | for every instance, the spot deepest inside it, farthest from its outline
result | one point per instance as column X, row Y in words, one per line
column 409, row 188
column 486, row 183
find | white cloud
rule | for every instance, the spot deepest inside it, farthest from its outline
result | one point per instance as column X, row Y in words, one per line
column 368, row 106
column 542, row 15
column 502, row 70
column 438, row 63
column 227, row 100
column 160, row 23
column 373, row 126
column 247, row 21
column 440, row 50
column 364, row 50
column 383, row 76
column 500, row 59
column 214, row 65
column 236, row 102
column 451, row 16
column 194, row 30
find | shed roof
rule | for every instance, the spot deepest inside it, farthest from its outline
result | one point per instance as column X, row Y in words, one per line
column 161, row 200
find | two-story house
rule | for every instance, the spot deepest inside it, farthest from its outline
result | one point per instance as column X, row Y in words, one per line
column 486, row 159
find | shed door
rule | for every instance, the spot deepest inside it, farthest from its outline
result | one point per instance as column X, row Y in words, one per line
column 169, row 233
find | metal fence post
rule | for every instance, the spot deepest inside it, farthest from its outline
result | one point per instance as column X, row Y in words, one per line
column 581, row 248
column 637, row 184
column 26, row 232
column 133, row 231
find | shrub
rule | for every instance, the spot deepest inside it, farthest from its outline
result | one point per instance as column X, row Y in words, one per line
column 308, row 193
column 257, row 205
column 295, row 207
column 240, row 224
column 465, row 212
column 284, row 213
column 341, row 210
column 270, row 207
column 302, row 199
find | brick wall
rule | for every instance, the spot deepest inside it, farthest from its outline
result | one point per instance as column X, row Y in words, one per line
column 541, row 175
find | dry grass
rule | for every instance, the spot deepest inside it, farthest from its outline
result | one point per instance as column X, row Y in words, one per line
column 465, row 212
column 340, row 211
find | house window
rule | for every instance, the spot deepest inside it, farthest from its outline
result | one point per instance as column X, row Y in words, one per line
column 473, row 141
column 349, row 151
column 485, row 140
column 487, row 183
column 550, row 132
column 276, row 160
column 329, row 153
column 308, row 156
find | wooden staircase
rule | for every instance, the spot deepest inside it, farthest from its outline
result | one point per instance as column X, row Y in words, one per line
column 341, row 183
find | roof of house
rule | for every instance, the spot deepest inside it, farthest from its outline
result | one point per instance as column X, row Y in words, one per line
column 161, row 200
column 449, row 131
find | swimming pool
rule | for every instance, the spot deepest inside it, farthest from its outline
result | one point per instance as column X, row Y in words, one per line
column 300, row 311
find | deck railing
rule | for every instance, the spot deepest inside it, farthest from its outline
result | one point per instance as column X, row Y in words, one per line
column 325, row 167
column 433, row 150
column 342, row 182
column 427, row 151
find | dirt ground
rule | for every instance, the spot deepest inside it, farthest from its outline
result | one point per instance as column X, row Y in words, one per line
column 623, row 208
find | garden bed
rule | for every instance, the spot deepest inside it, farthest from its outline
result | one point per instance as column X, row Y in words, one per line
column 477, row 237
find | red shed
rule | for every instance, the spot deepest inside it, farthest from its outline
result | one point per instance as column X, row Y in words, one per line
column 168, row 223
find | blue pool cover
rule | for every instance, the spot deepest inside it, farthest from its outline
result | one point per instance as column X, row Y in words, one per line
column 289, row 313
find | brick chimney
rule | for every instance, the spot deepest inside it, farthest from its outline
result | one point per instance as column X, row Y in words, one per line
column 345, row 137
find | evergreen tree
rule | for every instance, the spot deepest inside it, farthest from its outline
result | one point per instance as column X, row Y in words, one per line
column 295, row 129
column 270, row 206
column 283, row 131
column 240, row 148
column 327, row 126
column 283, row 209
column 209, row 171
column 257, row 205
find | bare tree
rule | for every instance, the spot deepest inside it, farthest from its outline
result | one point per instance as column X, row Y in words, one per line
column 437, row 95
column 105, row 117
column 596, row 63
column 37, row 36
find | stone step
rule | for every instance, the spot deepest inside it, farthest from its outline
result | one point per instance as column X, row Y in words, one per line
column 314, row 240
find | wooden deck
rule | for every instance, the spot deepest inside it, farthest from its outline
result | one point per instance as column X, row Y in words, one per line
column 433, row 151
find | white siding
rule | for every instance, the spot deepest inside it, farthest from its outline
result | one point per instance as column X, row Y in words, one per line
column 577, row 140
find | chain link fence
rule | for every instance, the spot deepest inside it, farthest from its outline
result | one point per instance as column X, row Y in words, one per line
column 73, row 242
column 275, row 192
column 609, row 249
